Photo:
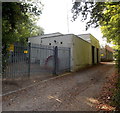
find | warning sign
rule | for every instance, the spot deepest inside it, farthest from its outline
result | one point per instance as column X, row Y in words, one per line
column 11, row 48
column 25, row 51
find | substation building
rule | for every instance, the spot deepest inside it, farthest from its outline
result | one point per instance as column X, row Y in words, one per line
column 84, row 48
column 106, row 53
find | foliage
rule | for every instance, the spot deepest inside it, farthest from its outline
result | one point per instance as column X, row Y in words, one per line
column 110, row 28
column 103, row 14
column 116, row 96
column 18, row 23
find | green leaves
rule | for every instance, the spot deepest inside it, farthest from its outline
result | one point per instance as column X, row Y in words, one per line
column 104, row 14
column 18, row 21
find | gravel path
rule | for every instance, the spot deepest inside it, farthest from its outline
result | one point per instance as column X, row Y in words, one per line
column 74, row 92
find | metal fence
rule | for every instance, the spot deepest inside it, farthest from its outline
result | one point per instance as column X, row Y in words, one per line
column 35, row 59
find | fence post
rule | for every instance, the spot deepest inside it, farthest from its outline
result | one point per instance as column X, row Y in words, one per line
column 55, row 70
column 69, row 59
column 29, row 59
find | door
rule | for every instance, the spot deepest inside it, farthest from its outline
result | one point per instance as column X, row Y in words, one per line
column 93, row 55
column 97, row 55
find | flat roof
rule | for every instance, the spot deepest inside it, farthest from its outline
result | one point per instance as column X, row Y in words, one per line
column 48, row 35
column 88, row 34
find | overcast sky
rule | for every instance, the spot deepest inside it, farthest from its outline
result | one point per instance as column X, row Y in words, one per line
column 56, row 17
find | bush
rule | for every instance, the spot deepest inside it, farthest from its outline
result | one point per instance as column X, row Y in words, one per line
column 116, row 97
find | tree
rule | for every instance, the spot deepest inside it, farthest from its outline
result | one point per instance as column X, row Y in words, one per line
column 103, row 14
column 18, row 23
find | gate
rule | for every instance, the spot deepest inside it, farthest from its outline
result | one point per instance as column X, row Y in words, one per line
column 17, row 62
column 35, row 59
column 40, row 59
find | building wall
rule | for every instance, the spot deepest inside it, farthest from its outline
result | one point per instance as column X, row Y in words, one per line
column 95, row 43
column 66, row 42
column 60, row 41
column 85, row 37
column 35, row 40
column 81, row 50
column 82, row 56
column 56, row 41
column 106, row 55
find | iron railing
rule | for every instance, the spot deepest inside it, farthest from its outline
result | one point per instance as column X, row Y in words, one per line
column 35, row 59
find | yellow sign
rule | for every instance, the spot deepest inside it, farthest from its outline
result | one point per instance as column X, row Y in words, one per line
column 102, row 54
column 25, row 51
column 11, row 48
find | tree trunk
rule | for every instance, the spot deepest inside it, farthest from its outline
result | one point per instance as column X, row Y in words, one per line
column 119, row 56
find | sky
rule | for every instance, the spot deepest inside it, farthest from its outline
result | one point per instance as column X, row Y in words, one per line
column 56, row 17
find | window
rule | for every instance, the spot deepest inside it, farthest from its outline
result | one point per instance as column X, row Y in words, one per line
column 49, row 43
column 61, row 42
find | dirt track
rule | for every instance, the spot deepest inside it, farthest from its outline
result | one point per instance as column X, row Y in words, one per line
column 74, row 92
